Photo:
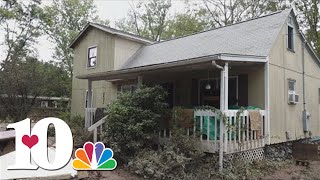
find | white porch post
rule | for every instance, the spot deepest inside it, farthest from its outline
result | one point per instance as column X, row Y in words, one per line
column 140, row 81
column 226, row 85
column 89, row 106
column 267, row 103
column 224, row 93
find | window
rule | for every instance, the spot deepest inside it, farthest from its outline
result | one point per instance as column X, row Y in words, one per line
column 290, row 20
column 290, row 38
column 86, row 99
column 291, row 85
column 55, row 104
column 92, row 57
column 127, row 88
column 44, row 104
column 319, row 94
column 293, row 97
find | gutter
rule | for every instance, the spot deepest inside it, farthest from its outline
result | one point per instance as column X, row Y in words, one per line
column 197, row 60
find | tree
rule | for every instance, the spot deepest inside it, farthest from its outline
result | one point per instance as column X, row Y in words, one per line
column 185, row 24
column 309, row 19
column 222, row 12
column 20, row 24
column 22, row 77
column 21, row 83
column 147, row 19
column 62, row 21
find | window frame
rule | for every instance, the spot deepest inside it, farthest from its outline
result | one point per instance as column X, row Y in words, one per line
column 294, row 86
column 290, row 25
column 319, row 94
column 132, row 87
column 88, row 57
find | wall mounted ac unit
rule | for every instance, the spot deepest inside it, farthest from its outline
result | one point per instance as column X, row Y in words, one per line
column 293, row 98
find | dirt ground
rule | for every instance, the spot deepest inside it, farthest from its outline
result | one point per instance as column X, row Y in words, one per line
column 297, row 172
column 291, row 171
column 118, row 174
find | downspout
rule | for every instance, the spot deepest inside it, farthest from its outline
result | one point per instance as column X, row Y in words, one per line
column 216, row 65
column 305, row 114
column 303, row 76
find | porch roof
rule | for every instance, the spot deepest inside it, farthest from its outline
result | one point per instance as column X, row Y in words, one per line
column 136, row 71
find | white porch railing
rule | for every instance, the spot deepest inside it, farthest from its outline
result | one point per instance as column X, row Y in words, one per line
column 237, row 134
column 89, row 116
column 95, row 127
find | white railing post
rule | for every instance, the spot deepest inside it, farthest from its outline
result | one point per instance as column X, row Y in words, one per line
column 95, row 134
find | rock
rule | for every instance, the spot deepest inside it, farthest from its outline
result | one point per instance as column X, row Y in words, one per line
column 149, row 171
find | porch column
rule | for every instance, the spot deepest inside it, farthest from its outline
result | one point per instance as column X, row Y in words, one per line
column 267, row 103
column 226, row 86
column 222, row 106
column 88, row 117
column 140, row 81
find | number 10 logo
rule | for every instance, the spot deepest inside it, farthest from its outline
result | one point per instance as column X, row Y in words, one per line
column 33, row 144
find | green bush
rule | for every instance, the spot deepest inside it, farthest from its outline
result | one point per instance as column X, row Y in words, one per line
column 79, row 133
column 133, row 119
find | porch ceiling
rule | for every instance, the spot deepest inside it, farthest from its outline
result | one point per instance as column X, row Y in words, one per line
column 179, row 66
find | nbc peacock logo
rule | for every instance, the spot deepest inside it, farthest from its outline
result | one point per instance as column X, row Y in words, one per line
column 94, row 157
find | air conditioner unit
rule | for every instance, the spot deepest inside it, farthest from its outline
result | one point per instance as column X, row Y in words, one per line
column 296, row 98
column 293, row 98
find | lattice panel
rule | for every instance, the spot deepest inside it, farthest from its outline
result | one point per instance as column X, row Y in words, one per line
column 249, row 155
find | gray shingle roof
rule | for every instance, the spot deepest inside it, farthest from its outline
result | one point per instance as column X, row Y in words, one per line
column 252, row 37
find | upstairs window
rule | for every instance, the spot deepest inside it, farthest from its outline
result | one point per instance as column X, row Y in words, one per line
column 290, row 38
column 92, row 57
column 319, row 94
column 290, row 34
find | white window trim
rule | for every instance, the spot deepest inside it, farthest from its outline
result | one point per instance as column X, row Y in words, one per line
column 319, row 94
column 87, row 59
column 293, row 33
column 294, row 86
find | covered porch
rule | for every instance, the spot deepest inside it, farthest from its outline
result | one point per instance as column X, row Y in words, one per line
column 223, row 82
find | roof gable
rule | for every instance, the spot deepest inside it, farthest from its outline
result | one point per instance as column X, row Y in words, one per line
column 109, row 30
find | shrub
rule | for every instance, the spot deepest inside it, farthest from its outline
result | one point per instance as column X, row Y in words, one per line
column 133, row 119
column 79, row 133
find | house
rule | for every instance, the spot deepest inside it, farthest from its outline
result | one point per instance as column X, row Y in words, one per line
column 44, row 106
column 263, row 63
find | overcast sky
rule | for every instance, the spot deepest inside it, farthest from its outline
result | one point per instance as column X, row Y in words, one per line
column 112, row 10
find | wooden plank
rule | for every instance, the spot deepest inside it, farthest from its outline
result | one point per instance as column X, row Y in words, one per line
column 305, row 151
column 98, row 123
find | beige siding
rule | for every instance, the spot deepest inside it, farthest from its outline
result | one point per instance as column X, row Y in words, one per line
column 112, row 52
column 256, row 87
column 124, row 49
column 285, row 64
